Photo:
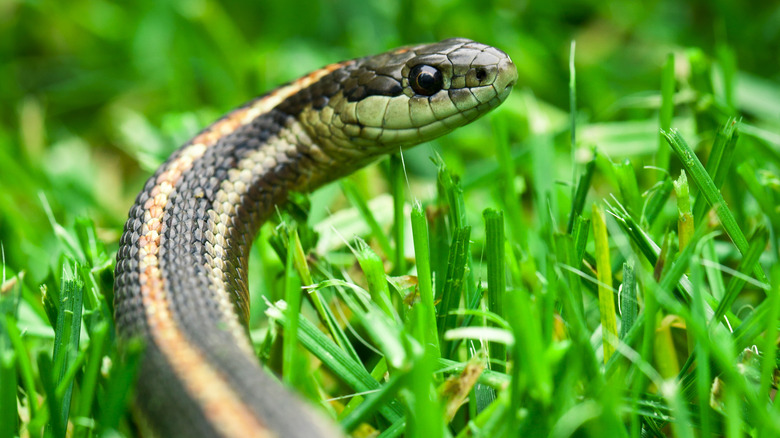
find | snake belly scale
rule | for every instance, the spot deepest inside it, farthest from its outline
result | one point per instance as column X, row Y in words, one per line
column 182, row 261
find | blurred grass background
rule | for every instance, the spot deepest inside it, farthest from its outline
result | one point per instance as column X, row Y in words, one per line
column 94, row 95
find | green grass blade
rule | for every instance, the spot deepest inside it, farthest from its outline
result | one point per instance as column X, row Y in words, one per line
column 54, row 405
column 655, row 203
column 292, row 296
column 453, row 285
column 397, row 184
column 719, row 161
column 629, row 304
column 496, row 276
column 89, row 381
column 581, row 193
column 769, row 351
column 713, row 196
column 701, row 350
column 420, row 236
column 747, row 265
column 667, row 110
column 629, row 189
column 8, row 410
column 381, row 329
column 374, row 271
column 606, row 294
column 23, row 363
column 377, row 232
column 66, row 341
column 506, row 182
column 115, row 399
column 685, row 226
column 424, row 408
column 348, row 369
column 373, row 401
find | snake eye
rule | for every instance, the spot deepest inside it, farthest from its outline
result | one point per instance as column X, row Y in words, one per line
column 426, row 80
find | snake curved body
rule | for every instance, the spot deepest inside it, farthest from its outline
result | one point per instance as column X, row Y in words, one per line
column 181, row 272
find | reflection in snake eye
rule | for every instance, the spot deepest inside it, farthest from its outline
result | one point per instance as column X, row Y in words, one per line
column 426, row 80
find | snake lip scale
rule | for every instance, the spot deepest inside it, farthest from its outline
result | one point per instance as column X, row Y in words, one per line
column 182, row 261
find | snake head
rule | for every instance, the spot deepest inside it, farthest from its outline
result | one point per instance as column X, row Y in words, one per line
column 406, row 96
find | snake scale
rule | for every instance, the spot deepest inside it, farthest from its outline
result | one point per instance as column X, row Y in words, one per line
column 181, row 271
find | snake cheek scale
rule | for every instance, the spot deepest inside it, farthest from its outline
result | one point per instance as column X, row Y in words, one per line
column 182, row 261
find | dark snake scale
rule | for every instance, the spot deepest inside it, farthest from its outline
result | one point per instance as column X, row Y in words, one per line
column 181, row 272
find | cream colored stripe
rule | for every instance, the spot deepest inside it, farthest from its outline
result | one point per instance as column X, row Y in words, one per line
column 233, row 189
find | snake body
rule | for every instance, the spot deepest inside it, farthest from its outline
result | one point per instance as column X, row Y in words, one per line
column 181, row 272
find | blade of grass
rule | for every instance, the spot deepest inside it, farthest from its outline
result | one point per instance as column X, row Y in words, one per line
column 727, row 61
column 397, row 184
column 424, row 409
column 571, row 296
column 604, row 271
column 373, row 401
column 667, row 110
column 529, row 352
column 769, row 361
column 8, row 410
column 581, row 193
column 324, row 312
column 292, row 286
column 657, row 200
column 759, row 192
column 351, row 192
column 708, row 189
column 89, row 381
column 489, row 419
column 488, row 377
column 378, row 373
column 681, row 423
column 628, row 299
column 54, row 406
column 746, row 265
column 422, row 254
column 351, row 371
column 494, row 249
column 506, row 180
column 629, row 189
column 394, row 430
column 118, row 393
column 381, row 329
column 66, row 337
column 453, row 285
column 719, row 161
column 701, row 350
column 24, row 363
column 374, row 271
column 685, row 226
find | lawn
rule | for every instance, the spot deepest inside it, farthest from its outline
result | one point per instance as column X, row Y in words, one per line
column 596, row 257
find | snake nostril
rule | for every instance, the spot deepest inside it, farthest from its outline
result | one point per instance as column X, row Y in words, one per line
column 481, row 74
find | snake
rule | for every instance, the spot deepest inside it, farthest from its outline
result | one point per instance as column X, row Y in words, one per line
column 181, row 268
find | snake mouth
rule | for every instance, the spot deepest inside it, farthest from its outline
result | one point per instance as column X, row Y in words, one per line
column 506, row 77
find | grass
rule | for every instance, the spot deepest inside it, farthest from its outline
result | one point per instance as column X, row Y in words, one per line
column 598, row 257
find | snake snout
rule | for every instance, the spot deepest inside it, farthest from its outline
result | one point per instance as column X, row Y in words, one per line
column 507, row 75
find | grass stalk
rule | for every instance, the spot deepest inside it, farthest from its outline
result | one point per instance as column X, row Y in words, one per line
column 496, row 276
column 606, row 295
column 420, row 237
